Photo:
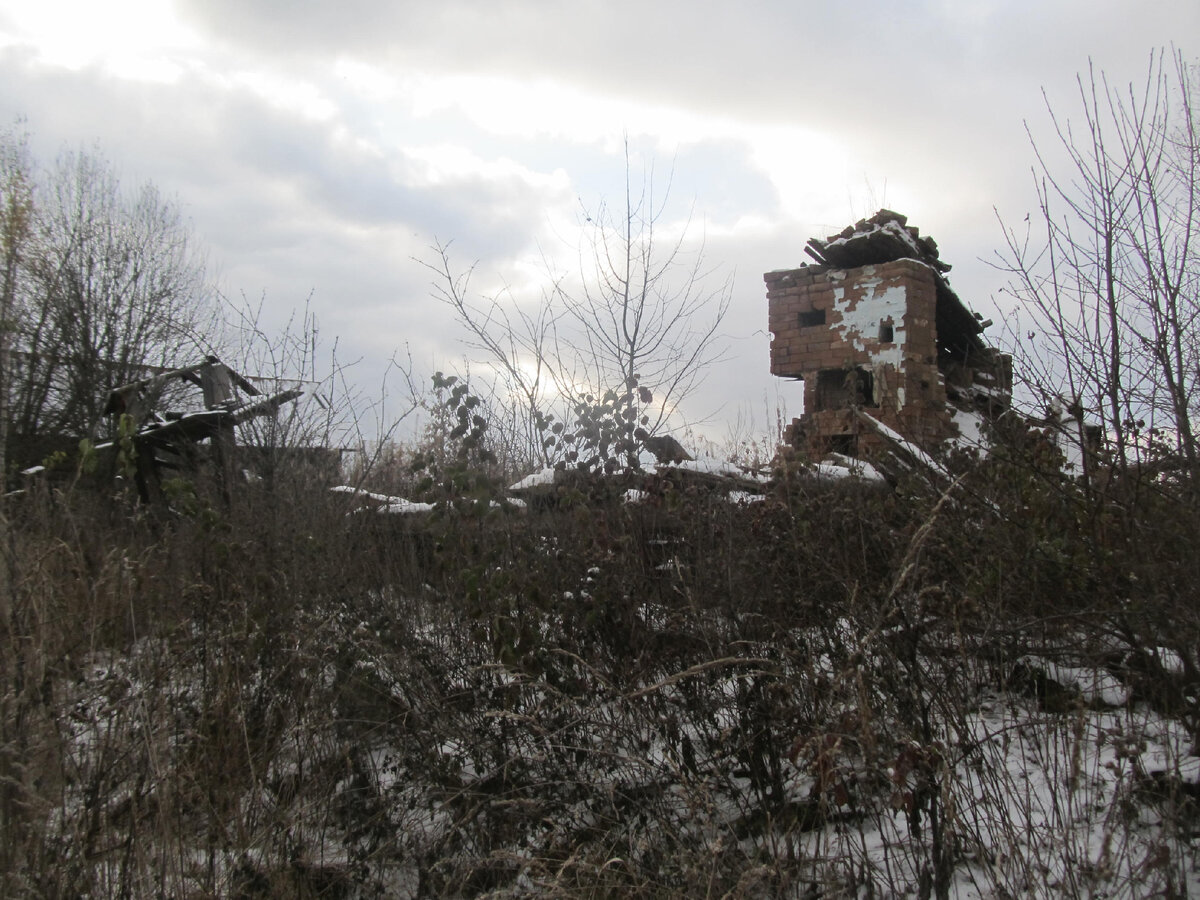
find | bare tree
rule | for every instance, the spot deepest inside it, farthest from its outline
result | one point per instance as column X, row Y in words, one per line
column 331, row 418
column 1109, row 270
column 520, row 347
column 646, row 308
column 640, row 324
column 16, row 226
column 113, row 283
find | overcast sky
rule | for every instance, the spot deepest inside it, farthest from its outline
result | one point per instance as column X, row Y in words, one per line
column 320, row 147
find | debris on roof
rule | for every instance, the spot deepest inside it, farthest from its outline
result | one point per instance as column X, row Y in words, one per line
column 884, row 237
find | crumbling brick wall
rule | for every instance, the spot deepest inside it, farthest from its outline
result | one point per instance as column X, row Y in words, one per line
column 862, row 339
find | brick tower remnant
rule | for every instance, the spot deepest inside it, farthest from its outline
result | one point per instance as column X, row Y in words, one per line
column 875, row 329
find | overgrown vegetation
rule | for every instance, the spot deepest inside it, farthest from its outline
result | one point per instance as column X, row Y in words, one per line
column 987, row 689
column 839, row 691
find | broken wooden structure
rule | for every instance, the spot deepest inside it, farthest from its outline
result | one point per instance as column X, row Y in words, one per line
column 171, row 441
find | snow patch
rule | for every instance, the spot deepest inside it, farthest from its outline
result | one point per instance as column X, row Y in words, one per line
column 744, row 498
column 970, row 427
column 908, row 446
column 711, row 466
column 838, row 466
column 385, row 503
column 537, row 479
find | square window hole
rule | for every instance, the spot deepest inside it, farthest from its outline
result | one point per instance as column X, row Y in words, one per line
column 812, row 317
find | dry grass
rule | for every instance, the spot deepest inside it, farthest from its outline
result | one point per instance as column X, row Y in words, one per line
column 836, row 692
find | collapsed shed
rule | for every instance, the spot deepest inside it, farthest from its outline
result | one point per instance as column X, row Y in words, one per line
column 170, row 441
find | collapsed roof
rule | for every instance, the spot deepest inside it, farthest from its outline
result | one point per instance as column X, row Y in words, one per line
column 168, row 441
column 886, row 237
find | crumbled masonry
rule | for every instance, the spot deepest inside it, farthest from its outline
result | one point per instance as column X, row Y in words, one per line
column 874, row 328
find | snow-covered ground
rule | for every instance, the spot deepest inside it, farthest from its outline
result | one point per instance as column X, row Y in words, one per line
column 407, row 755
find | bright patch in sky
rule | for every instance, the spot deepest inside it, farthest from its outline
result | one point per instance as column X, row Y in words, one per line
column 129, row 38
column 368, row 82
column 800, row 162
column 529, row 109
column 290, row 94
column 443, row 163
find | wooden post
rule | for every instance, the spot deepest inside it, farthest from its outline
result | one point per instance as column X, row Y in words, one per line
column 224, row 444
column 149, row 484
column 217, row 385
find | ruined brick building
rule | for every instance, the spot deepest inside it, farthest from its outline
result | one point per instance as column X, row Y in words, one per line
column 880, row 339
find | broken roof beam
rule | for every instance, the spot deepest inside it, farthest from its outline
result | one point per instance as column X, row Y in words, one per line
column 124, row 399
column 958, row 329
column 814, row 249
column 265, row 406
column 197, row 426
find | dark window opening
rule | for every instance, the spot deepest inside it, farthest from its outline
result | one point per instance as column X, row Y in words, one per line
column 812, row 317
column 886, row 332
column 845, row 388
column 845, row 444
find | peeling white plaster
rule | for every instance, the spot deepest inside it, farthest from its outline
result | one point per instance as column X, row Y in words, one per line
column 862, row 322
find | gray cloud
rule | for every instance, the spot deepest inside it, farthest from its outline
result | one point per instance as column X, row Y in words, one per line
column 286, row 212
column 766, row 59
column 930, row 95
column 926, row 98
